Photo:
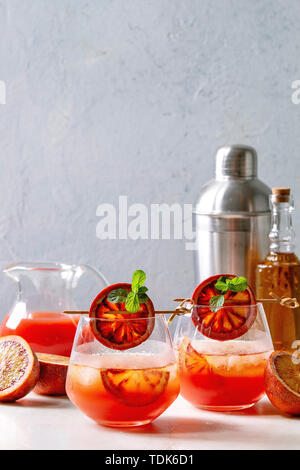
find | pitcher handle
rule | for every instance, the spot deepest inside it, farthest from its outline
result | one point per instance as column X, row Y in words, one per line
column 93, row 271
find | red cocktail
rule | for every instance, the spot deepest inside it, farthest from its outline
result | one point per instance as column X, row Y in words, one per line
column 123, row 370
column 224, row 376
column 223, row 346
column 133, row 393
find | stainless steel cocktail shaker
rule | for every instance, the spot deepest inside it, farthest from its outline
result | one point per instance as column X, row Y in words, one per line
column 232, row 217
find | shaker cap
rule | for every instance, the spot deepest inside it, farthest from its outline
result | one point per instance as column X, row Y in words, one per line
column 236, row 189
column 238, row 161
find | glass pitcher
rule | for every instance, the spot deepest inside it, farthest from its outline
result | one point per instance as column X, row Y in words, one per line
column 44, row 291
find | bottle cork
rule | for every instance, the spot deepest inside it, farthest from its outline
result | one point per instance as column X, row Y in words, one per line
column 281, row 194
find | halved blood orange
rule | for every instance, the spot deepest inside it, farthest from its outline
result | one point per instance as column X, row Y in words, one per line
column 117, row 328
column 19, row 368
column 53, row 374
column 135, row 387
column 282, row 382
column 229, row 322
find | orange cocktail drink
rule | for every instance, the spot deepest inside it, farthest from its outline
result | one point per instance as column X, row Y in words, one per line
column 222, row 376
column 122, row 389
column 46, row 332
column 223, row 346
column 123, row 369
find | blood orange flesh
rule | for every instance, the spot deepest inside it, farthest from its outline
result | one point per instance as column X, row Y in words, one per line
column 116, row 328
column 191, row 360
column 135, row 387
column 19, row 368
column 229, row 322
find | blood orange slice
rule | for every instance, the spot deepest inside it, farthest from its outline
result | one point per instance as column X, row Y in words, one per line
column 135, row 387
column 116, row 328
column 229, row 322
column 191, row 360
column 282, row 382
column 19, row 368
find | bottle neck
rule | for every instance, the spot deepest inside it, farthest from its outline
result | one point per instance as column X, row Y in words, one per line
column 282, row 235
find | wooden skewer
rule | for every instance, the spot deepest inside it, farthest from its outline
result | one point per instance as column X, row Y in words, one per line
column 182, row 309
column 267, row 301
column 86, row 312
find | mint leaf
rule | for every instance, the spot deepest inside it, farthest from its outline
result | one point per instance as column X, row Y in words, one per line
column 143, row 289
column 222, row 284
column 142, row 297
column 132, row 302
column 216, row 302
column 238, row 284
column 138, row 279
column 117, row 296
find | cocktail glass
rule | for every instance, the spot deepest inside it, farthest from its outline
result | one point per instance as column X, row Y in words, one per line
column 123, row 388
column 223, row 375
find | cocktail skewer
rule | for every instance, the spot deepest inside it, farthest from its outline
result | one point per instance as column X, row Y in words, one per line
column 182, row 309
column 86, row 312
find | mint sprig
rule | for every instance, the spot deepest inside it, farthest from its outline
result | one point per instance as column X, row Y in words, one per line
column 135, row 297
column 223, row 285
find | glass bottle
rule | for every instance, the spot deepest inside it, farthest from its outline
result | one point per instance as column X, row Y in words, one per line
column 280, row 272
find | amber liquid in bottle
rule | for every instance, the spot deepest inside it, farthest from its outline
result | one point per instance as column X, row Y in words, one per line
column 280, row 273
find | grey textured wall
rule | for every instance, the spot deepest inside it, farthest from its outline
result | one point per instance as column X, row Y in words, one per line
column 109, row 97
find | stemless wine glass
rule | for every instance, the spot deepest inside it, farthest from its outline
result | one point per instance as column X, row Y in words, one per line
column 223, row 375
column 128, row 387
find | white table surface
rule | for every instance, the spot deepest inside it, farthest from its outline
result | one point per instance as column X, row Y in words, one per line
column 37, row 422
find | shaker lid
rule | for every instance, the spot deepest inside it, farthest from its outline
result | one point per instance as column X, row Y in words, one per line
column 236, row 189
column 236, row 161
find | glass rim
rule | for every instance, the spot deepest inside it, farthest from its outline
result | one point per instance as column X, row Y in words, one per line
column 38, row 266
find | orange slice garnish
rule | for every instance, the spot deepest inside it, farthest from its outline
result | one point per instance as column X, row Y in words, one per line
column 118, row 330
column 227, row 323
column 135, row 387
column 191, row 360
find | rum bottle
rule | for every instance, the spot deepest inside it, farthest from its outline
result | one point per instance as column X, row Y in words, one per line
column 280, row 272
